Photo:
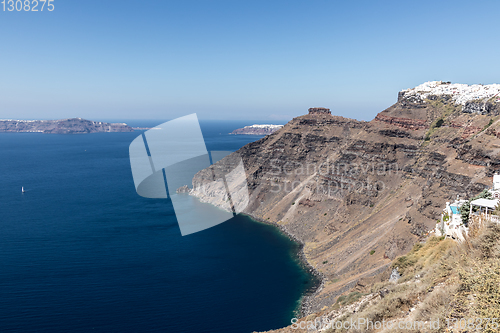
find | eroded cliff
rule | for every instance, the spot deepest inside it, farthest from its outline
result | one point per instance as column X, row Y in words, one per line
column 357, row 194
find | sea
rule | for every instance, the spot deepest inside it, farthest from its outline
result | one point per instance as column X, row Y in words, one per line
column 80, row 251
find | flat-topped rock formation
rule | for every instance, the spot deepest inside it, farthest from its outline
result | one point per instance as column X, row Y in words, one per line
column 321, row 111
column 257, row 129
column 63, row 126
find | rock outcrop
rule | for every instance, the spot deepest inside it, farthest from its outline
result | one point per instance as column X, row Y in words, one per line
column 319, row 111
column 63, row 126
column 358, row 194
column 183, row 189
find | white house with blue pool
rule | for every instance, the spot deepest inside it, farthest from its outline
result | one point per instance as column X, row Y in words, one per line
column 451, row 223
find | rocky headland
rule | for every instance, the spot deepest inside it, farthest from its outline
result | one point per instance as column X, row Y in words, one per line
column 63, row 126
column 359, row 194
column 264, row 129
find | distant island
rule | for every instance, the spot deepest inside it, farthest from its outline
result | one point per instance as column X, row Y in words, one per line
column 257, row 129
column 62, row 126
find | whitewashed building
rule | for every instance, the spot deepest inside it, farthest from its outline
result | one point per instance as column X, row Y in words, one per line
column 486, row 207
column 451, row 224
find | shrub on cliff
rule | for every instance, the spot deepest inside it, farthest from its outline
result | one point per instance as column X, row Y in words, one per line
column 465, row 208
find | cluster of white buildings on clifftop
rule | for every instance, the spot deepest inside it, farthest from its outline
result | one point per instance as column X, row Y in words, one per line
column 265, row 126
column 452, row 225
column 461, row 93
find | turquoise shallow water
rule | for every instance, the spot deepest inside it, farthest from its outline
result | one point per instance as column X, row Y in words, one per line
column 81, row 251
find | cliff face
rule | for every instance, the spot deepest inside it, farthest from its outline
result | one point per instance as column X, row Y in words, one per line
column 358, row 194
column 63, row 126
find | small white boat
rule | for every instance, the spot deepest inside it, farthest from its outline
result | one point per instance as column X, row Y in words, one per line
column 22, row 189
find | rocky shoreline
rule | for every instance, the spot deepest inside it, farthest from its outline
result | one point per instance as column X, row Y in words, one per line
column 309, row 299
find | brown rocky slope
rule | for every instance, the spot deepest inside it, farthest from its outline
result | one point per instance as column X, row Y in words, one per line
column 358, row 194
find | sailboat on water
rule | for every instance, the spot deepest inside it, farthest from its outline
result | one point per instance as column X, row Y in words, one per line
column 22, row 189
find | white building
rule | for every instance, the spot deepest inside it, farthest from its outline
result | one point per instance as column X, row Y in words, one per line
column 486, row 207
column 451, row 224
column 495, row 190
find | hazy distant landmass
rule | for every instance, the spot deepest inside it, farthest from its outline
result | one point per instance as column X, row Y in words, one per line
column 257, row 129
column 62, row 126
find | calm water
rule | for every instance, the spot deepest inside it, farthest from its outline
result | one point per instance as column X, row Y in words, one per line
column 81, row 251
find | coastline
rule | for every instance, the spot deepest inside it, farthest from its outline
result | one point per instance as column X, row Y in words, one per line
column 308, row 298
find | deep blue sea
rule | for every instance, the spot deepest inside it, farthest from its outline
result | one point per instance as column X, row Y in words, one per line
column 80, row 251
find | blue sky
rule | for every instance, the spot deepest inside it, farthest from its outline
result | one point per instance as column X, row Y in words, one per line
column 255, row 60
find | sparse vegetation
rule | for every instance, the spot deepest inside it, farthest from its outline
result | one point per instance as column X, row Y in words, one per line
column 436, row 124
column 488, row 124
column 372, row 252
column 497, row 210
column 349, row 299
column 465, row 211
column 440, row 279
column 439, row 123
column 448, row 109
column 446, row 217
column 479, row 277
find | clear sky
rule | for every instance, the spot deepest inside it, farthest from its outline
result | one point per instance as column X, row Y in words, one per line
column 265, row 60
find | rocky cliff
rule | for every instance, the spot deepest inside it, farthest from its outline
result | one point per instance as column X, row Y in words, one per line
column 63, row 126
column 357, row 194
